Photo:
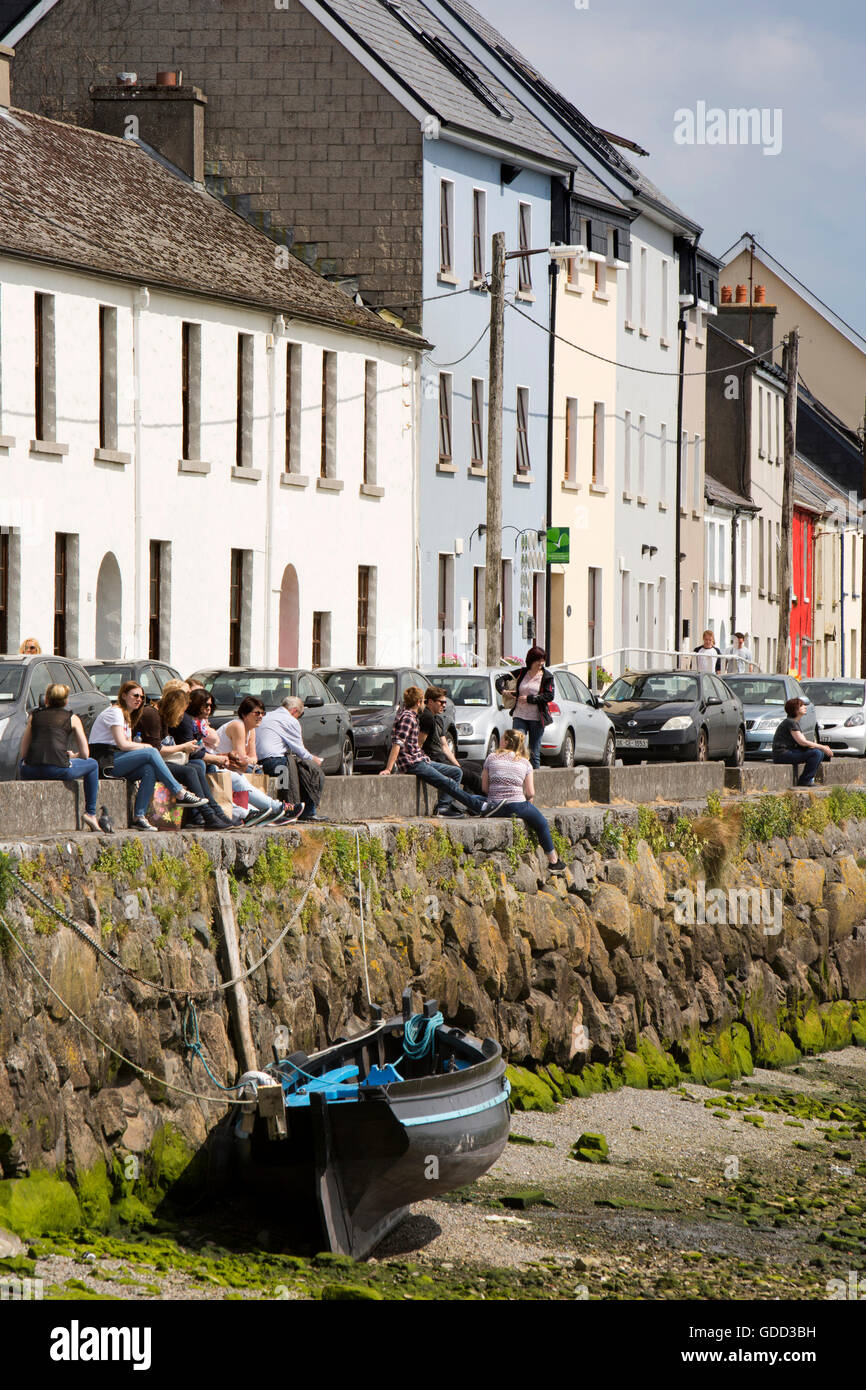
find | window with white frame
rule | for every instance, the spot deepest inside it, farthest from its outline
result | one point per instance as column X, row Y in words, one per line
column 684, row 472
column 598, row 444
column 446, row 227
column 641, row 456
column 665, row 325
column 711, row 552
column 600, row 278
column 479, row 233
column 643, row 274
column 571, row 439
column 760, row 422
column 697, row 474
column 745, row 567
column 477, row 460
column 723, row 568
column 663, row 463
column 760, row 554
column 524, row 239
column 445, row 384
column 626, row 456
column 522, row 462
column 629, row 292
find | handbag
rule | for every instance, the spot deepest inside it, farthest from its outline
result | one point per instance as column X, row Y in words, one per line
column 178, row 756
column 508, row 693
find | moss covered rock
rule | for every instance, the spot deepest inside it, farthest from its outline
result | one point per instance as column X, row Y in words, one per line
column 806, row 1030
column 633, row 1070
column 836, row 1024
column 94, row 1196
column 530, row 1092
column 703, row 1060
column 589, row 1081
column 662, row 1071
column 355, row 1292
column 858, row 1025
column 735, row 1051
column 591, row 1148
column 38, row 1205
column 770, row 1046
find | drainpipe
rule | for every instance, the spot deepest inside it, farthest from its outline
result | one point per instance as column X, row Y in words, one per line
column 841, row 602
column 416, row 399
column 140, row 302
column 551, row 355
column 278, row 328
column 734, row 520
column 678, row 639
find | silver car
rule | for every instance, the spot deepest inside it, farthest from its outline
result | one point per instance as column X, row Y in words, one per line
column 840, row 708
column 581, row 731
column 480, row 716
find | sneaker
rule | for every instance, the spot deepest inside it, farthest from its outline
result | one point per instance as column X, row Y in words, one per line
column 290, row 812
column 142, row 823
column 260, row 817
column 451, row 813
column 491, row 807
column 186, row 798
column 557, row 868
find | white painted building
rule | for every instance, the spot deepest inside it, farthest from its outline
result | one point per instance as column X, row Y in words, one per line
column 209, row 451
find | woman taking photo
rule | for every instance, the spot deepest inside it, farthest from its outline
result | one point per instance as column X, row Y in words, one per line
column 534, row 689
column 112, row 746
column 199, row 709
column 169, row 720
column 45, row 750
column 507, row 779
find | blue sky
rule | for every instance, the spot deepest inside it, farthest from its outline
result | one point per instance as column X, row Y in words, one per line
column 629, row 65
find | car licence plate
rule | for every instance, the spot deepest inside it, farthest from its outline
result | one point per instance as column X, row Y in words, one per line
column 632, row 743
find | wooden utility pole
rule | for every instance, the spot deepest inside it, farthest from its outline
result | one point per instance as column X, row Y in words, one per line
column 859, row 532
column 493, row 553
column 792, row 350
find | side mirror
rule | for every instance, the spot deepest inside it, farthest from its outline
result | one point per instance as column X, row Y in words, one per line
column 313, row 702
column 713, row 700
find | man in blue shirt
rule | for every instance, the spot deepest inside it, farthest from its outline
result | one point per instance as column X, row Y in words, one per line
column 281, row 752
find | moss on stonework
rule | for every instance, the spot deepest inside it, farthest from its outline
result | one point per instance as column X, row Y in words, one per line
column 702, row 1059
column 735, row 1051
column 770, row 1046
column 37, row 1204
column 591, row 1148
column 94, row 1196
column 634, row 1071
column 662, row 1070
column 804, row 1026
column 528, row 1091
column 589, row 1081
column 858, row 1025
column 836, row 1024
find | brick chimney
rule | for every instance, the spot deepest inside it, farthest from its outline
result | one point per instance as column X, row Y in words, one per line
column 168, row 117
column 6, row 56
column 733, row 319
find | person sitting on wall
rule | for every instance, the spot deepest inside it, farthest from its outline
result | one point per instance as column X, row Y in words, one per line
column 507, row 779
column 237, row 738
column 45, row 750
column 283, row 754
column 169, row 720
column 534, row 687
column 790, row 744
column 407, row 756
column 431, row 726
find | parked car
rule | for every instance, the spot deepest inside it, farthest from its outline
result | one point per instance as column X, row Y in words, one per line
column 676, row 715
column 581, row 731
column 325, row 724
column 23, row 683
column 374, row 697
column 481, row 719
column 840, row 711
column 763, row 699
column 108, row 676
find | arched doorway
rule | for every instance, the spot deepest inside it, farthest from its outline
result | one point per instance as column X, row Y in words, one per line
column 289, row 618
column 109, row 592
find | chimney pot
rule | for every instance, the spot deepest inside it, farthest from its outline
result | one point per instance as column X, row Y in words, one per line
column 727, row 294
column 760, row 294
column 127, row 79
column 742, row 294
column 169, row 79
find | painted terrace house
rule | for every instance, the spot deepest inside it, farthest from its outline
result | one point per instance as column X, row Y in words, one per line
column 209, row 457
column 370, row 139
column 645, row 267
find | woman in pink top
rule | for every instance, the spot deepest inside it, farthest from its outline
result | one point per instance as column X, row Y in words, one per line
column 535, row 689
column 507, row 778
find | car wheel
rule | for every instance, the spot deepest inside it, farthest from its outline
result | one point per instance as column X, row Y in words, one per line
column 347, row 757
column 566, row 752
column 738, row 757
column 608, row 757
column 701, row 748
column 492, row 744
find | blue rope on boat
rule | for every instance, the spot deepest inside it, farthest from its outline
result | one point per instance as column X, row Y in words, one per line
column 419, row 1035
column 193, row 1044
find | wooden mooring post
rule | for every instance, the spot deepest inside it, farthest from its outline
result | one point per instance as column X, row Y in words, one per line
column 237, row 994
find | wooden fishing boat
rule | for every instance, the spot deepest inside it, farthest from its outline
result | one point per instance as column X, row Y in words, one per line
column 336, row 1146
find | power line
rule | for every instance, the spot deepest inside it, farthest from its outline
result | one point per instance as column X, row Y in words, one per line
column 466, row 354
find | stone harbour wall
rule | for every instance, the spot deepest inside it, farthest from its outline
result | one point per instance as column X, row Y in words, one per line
column 597, row 972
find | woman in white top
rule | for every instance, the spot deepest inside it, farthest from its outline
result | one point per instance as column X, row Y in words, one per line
column 237, row 738
column 112, row 745
column 507, row 778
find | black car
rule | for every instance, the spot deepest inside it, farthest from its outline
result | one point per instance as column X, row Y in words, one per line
column 23, row 683
column 325, row 723
column 374, row 697
column 676, row 715
column 108, row 676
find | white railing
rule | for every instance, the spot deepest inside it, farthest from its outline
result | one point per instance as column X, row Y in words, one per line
column 624, row 659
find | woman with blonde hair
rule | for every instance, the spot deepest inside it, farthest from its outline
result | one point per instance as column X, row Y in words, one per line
column 507, row 779
column 30, row 647
column 167, row 727
column 45, row 750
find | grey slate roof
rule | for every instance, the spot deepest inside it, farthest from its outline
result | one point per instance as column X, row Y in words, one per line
column 813, row 489
column 584, row 128
column 439, row 88
column 722, row 496
column 93, row 202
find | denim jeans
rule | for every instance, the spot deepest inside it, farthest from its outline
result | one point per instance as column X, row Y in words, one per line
column 533, row 728
column 88, row 768
column 525, row 811
column 811, row 758
column 146, row 767
column 445, row 777
column 192, row 775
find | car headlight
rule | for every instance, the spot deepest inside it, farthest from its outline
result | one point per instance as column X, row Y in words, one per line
column 769, row 721
column 371, row 729
column 466, row 728
column 852, row 722
column 679, row 721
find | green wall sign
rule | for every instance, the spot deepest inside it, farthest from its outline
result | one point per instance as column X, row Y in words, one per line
column 558, row 545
